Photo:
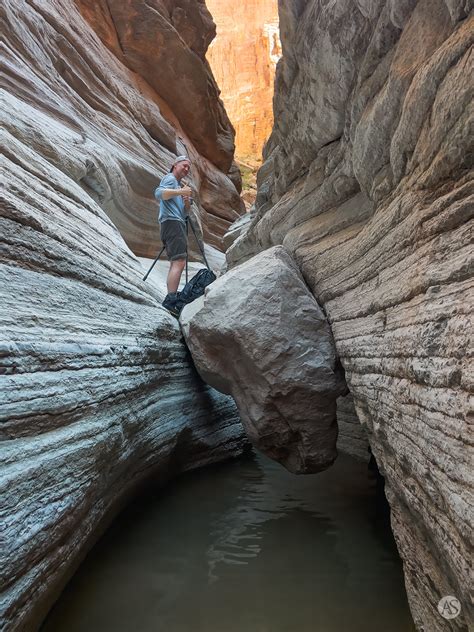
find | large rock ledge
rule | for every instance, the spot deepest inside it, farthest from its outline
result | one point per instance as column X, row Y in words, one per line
column 98, row 391
column 259, row 335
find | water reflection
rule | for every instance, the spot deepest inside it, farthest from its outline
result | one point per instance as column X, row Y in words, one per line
column 244, row 547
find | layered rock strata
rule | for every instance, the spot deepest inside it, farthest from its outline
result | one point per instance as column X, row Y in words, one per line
column 98, row 393
column 351, row 434
column 278, row 362
column 368, row 183
column 165, row 42
column 97, row 390
column 243, row 58
column 238, row 228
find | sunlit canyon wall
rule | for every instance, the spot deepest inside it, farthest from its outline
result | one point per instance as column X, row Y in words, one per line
column 243, row 58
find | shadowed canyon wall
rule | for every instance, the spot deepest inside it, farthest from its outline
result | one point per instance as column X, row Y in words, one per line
column 368, row 183
column 243, row 58
column 98, row 393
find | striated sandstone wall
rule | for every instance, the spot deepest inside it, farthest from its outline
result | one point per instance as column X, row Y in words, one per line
column 368, row 182
column 243, row 58
column 97, row 391
column 165, row 42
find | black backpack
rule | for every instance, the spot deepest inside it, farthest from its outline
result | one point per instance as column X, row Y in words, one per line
column 194, row 288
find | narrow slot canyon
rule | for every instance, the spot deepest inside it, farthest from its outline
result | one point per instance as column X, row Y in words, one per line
column 287, row 444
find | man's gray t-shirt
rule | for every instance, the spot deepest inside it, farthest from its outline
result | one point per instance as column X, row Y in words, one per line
column 174, row 207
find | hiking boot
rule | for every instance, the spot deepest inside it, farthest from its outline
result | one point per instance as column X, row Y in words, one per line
column 170, row 304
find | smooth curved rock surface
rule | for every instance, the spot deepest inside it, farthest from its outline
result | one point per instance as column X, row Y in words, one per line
column 259, row 335
column 368, row 182
column 238, row 228
column 165, row 42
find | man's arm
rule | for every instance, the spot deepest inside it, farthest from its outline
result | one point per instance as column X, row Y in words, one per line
column 166, row 194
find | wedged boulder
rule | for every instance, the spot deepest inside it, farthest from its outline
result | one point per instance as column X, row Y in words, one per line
column 259, row 335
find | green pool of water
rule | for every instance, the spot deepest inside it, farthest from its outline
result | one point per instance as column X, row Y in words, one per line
column 244, row 547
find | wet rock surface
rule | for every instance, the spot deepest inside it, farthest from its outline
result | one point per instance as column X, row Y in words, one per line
column 368, row 183
column 278, row 362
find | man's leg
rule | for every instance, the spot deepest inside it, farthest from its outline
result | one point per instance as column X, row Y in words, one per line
column 173, row 234
column 174, row 275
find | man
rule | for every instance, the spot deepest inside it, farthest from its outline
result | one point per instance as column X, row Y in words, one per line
column 175, row 201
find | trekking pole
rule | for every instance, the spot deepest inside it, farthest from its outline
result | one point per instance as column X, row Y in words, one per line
column 187, row 254
column 153, row 264
column 198, row 243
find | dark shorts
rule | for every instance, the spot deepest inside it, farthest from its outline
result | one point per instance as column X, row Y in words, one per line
column 173, row 236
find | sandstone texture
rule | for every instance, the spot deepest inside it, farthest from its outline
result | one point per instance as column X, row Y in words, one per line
column 243, row 58
column 238, row 228
column 368, row 183
column 118, row 109
column 278, row 362
column 97, row 390
column 165, row 42
column 351, row 434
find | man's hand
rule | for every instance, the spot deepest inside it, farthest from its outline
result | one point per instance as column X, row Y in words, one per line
column 186, row 192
